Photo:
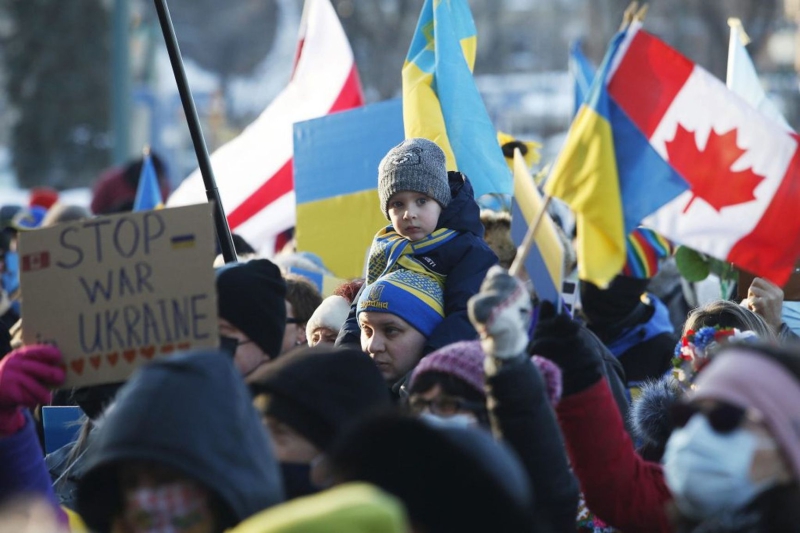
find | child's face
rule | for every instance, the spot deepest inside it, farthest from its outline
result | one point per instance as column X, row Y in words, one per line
column 413, row 214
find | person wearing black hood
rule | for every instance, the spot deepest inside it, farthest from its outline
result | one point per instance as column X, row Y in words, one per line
column 633, row 324
column 306, row 398
column 451, row 479
column 182, row 446
column 435, row 229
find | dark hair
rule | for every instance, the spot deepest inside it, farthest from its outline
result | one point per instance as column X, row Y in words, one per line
column 727, row 314
column 133, row 170
column 303, row 295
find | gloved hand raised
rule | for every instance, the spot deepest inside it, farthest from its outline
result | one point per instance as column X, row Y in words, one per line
column 501, row 312
column 569, row 345
column 26, row 376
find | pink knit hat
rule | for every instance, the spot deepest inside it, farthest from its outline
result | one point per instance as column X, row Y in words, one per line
column 464, row 360
column 743, row 377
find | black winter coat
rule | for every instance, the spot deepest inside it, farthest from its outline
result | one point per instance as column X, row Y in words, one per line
column 522, row 417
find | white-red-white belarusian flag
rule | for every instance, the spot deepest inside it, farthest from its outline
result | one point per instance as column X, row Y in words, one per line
column 254, row 170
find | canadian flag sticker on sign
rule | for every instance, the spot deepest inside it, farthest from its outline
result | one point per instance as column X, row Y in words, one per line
column 35, row 261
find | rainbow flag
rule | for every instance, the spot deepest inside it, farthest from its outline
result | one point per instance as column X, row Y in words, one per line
column 441, row 101
column 645, row 249
column 148, row 193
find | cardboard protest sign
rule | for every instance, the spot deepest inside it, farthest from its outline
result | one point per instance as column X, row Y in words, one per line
column 115, row 292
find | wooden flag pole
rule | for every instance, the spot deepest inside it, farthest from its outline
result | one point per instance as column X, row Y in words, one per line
column 629, row 14
column 527, row 243
column 200, row 149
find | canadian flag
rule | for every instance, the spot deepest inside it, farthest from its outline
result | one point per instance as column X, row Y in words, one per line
column 254, row 171
column 742, row 169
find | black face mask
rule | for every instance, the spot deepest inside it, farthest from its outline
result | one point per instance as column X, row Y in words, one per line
column 228, row 345
column 297, row 480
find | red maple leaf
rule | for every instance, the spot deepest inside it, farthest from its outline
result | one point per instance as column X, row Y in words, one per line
column 709, row 171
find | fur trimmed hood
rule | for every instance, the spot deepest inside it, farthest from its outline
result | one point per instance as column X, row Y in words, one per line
column 649, row 414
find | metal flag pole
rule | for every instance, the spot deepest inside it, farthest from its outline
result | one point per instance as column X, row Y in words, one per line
column 200, row 149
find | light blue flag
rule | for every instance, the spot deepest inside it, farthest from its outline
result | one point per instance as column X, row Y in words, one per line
column 148, row 194
column 582, row 71
column 441, row 101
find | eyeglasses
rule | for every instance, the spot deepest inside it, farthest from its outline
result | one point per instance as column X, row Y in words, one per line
column 723, row 417
column 230, row 344
column 443, row 405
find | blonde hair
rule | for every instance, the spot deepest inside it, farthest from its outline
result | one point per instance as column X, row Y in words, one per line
column 727, row 314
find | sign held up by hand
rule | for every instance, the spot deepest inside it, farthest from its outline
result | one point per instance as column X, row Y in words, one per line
column 115, row 292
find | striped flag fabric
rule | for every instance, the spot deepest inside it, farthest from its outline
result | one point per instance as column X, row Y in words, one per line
column 254, row 171
column 582, row 72
column 645, row 251
column 662, row 142
column 441, row 101
column 545, row 261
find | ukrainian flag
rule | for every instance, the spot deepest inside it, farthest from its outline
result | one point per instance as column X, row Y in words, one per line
column 610, row 176
column 582, row 72
column 545, row 261
column 148, row 194
column 441, row 101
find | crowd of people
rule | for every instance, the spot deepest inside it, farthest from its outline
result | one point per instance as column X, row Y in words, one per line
column 437, row 394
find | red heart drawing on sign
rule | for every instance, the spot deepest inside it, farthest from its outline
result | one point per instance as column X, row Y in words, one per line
column 112, row 358
column 77, row 366
column 129, row 355
column 148, row 351
column 168, row 348
column 184, row 345
column 95, row 361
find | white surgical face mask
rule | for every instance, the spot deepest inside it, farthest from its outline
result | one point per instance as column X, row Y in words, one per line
column 708, row 472
column 456, row 421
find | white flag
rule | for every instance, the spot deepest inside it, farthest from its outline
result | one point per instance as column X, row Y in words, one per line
column 254, row 171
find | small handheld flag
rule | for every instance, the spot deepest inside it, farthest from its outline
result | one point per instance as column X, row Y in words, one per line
column 148, row 194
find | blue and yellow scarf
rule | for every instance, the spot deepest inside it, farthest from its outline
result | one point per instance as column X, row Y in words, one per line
column 391, row 251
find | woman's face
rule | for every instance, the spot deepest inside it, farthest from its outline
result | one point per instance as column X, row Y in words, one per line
column 720, row 457
column 323, row 336
column 394, row 345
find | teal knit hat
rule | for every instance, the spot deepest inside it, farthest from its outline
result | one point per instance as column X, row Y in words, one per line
column 416, row 298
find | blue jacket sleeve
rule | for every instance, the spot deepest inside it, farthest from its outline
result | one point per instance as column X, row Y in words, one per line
column 23, row 470
column 472, row 260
